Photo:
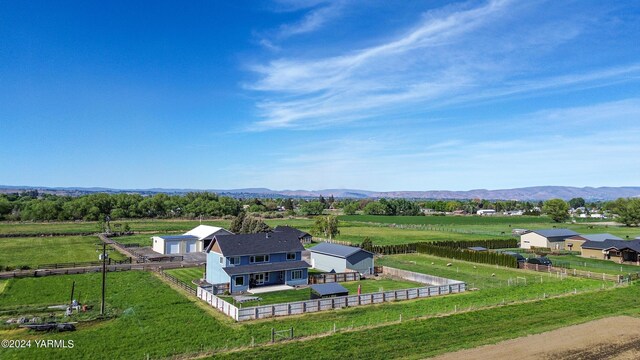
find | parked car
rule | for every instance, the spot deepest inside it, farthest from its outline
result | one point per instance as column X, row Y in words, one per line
column 516, row 255
column 539, row 261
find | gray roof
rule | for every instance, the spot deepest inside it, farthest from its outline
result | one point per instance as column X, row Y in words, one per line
column 257, row 244
column 608, row 244
column 178, row 237
column 256, row 268
column 555, row 232
column 599, row 237
column 284, row 228
column 329, row 289
column 477, row 248
column 336, row 250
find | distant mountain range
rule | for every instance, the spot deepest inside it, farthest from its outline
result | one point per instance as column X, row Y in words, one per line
column 527, row 193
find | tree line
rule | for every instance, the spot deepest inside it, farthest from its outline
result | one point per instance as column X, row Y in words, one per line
column 31, row 206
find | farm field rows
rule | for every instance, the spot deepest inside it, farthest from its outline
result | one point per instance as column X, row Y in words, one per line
column 33, row 251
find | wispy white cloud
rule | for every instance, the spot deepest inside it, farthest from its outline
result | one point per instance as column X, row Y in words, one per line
column 313, row 20
column 579, row 146
column 455, row 55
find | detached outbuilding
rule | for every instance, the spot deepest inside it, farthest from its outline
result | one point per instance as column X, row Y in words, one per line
column 548, row 238
column 340, row 258
column 175, row 244
column 194, row 240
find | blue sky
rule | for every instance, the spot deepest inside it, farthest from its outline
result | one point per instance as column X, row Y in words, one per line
column 315, row 94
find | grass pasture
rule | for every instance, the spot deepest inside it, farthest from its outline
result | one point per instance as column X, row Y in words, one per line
column 429, row 337
column 187, row 274
column 33, row 251
column 495, row 226
column 145, row 307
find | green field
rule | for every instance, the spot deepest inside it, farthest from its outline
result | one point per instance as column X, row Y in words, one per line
column 496, row 226
column 429, row 337
column 33, row 251
column 572, row 261
column 187, row 274
column 150, row 225
column 142, row 239
column 366, row 286
column 145, row 307
column 593, row 265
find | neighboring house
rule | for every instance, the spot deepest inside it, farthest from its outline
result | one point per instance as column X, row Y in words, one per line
column 205, row 234
column 486, row 212
column 549, row 238
column 194, row 240
column 617, row 250
column 574, row 243
column 305, row 238
column 248, row 261
column 175, row 244
column 341, row 258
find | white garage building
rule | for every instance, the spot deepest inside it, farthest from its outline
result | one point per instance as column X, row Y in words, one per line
column 175, row 244
column 194, row 240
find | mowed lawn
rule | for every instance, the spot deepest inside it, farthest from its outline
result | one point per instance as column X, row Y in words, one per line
column 33, row 251
column 187, row 274
column 366, row 286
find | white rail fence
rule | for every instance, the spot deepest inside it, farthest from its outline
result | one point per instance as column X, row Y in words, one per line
column 439, row 286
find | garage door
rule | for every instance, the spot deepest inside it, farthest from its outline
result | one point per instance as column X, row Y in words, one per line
column 191, row 246
column 173, row 247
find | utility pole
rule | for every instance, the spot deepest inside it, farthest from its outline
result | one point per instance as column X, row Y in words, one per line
column 104, row 275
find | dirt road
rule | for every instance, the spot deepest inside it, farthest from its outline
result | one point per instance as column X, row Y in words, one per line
column 610, row 338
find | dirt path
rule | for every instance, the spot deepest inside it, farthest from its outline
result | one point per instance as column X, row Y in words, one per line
column 609, row 338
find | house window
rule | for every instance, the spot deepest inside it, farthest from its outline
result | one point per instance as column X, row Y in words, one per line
column 221, row 260
column 259, row 258
column 239, row 280
column 296, row 274
column 291, row 256
column 234, row 260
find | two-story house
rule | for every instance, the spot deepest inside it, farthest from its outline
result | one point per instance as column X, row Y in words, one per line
column 247, row 261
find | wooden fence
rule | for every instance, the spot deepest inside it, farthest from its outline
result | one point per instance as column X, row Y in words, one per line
column 331, row 241
column 84, row 264
column 179, row 283
column 315, row 305
column 442, row 286
column 572, row 272
column 83, row 270
column 333, row 277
